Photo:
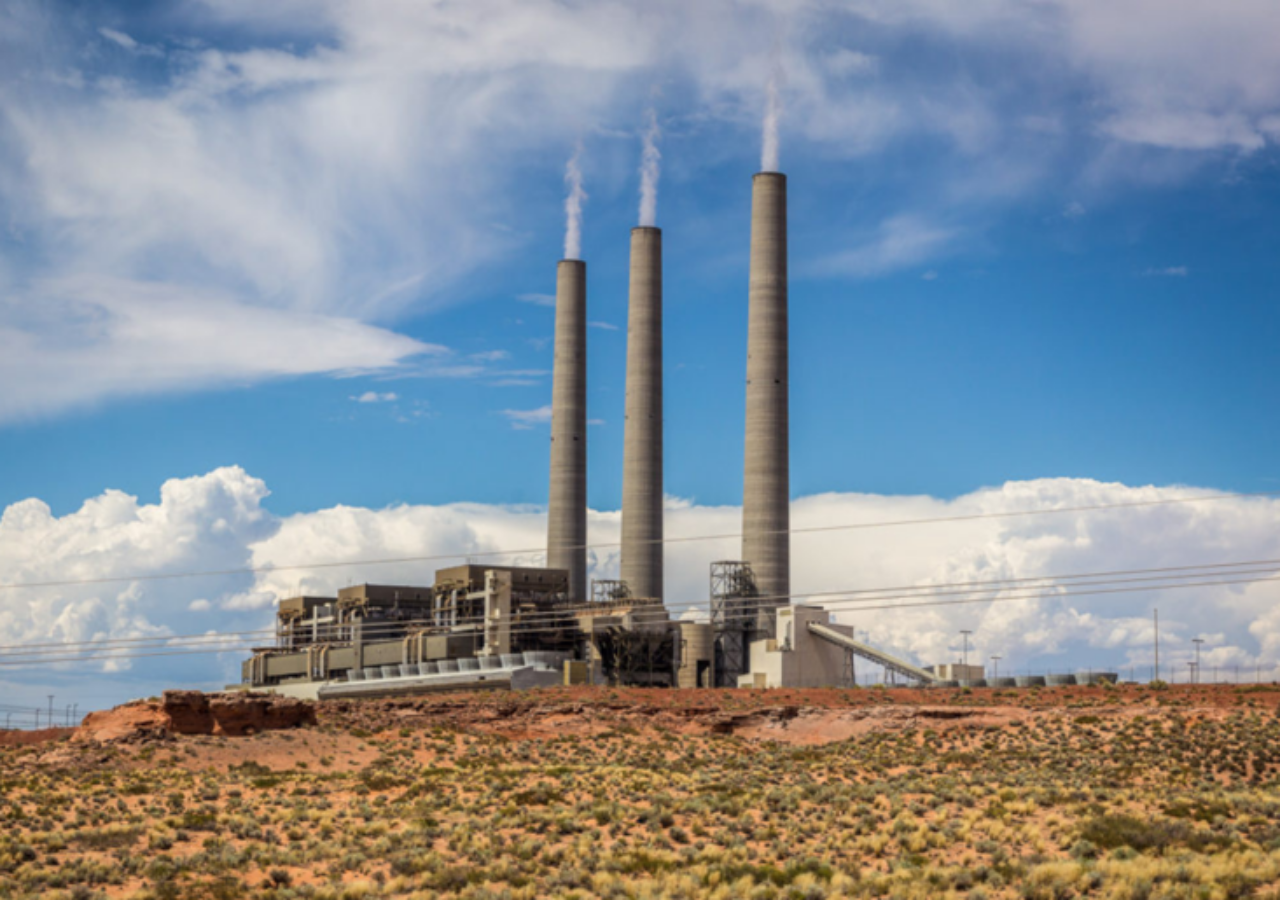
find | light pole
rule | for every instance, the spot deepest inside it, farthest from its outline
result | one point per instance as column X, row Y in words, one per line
column 966, row 634
column 1197, row 642
column 995, row 667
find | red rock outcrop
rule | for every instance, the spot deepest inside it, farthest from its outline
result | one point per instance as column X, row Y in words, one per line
column 193, row 712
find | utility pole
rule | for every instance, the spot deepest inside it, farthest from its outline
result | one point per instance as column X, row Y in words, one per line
column 50, row 720
column 966, row 634
column 1197, row 642
column 995, row 664
column 1156, row 613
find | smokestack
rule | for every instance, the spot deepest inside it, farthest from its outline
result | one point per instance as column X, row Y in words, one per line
column 766, row 496
column 642, row 447
column 567, row 502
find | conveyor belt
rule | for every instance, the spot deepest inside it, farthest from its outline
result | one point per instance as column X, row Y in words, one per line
column 867, row 652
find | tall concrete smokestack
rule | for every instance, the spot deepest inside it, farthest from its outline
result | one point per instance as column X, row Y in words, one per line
column 642, row 447
column 766, row 496
column 567, row 502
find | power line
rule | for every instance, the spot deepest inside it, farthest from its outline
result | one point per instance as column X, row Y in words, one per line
column 373, row 629
column 258, row 570
column 857, row 604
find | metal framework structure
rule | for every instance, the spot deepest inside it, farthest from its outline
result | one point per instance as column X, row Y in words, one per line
column 733, row 621
column 604, row 590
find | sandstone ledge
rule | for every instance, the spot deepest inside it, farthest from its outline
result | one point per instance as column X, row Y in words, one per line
column 192, row 712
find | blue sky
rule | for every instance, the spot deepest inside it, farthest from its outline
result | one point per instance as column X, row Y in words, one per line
column 975, row 298
column 314, row 241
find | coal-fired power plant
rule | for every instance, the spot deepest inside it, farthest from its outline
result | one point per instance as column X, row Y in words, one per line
column 642, row 438
column 496, row 627
column 567, row 499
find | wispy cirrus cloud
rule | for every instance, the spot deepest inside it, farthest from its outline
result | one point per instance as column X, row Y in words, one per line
column 375, row 397
column 524, row 419
column 899, row 242
column 351, row 165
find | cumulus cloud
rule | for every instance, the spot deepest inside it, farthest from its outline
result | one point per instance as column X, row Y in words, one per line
column 202, row 523
column 220, row 522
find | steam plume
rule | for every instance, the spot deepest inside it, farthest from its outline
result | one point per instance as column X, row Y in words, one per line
column 772, row 112
column 573, row 206
column 649, row 170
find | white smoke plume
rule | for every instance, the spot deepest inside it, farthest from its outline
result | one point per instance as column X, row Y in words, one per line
column 650, row 160
column 573, row 206
column 772, row 113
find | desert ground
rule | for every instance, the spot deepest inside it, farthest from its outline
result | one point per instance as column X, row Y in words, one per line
column 1124, row 792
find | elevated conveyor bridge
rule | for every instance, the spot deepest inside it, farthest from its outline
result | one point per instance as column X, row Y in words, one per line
column 867, row 652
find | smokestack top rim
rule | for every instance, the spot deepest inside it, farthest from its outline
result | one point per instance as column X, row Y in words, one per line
column 781, row 175
column 572, row 262
column 646, row 228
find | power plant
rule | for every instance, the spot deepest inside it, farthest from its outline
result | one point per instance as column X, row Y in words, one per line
column 489, row 626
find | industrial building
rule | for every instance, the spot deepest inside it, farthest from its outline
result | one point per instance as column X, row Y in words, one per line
column 483, row 626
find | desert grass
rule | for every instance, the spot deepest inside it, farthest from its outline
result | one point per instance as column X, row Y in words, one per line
column 1074, row 803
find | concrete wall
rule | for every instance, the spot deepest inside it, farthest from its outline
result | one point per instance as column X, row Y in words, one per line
column 642, row 435
column 958, row 672
column 766, row 498
column 567, row 499
column 797, row 658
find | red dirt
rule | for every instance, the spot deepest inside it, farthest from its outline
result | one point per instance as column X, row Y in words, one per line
column 27, row 738
column 796, row 716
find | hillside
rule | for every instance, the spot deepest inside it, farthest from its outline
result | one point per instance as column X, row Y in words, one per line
column 1109, row 792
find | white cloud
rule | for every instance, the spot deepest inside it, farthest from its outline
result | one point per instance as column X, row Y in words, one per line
column 219, row 521
column 603, row 326
column 375, row 397
column 845, row 62
column 524, row 419
column 79, row 340
column 899, row 242
column 207, row 522
column 538, row 299
column 118, row 37
column 1167, row 272
column 357, row 160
